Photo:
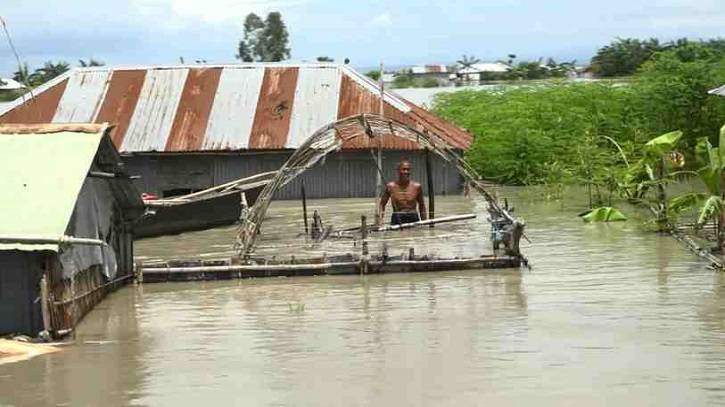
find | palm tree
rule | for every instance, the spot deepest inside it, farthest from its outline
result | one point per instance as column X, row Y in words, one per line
column 467, row 60
column 91, row 62
column 24, row 76
column 51, row 70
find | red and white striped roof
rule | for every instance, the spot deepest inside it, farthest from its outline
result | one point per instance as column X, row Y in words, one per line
column 220, row 107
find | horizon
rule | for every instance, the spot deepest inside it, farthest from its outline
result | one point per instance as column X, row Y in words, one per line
column 402, row 34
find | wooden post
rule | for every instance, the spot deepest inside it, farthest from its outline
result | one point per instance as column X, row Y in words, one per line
column 661, row 194
column 720, row 222
column 45, row 302
column 139, row 272
column 304, row 207
column 431, row 191
column 364, row 261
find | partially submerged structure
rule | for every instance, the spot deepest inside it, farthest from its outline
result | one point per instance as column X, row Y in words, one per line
column 65, row 224
column 506, row 230
column 187, row 128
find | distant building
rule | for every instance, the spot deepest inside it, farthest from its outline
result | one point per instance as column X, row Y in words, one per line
column 481, row 71
column 438, row 72
column 7, row 84
column 186, row 128
column 718, row 91
column 67, row 213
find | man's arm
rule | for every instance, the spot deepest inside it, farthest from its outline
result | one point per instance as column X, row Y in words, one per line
column 381, row 206
column 421, row 204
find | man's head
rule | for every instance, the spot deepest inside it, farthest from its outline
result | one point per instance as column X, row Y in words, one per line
column 404, row 170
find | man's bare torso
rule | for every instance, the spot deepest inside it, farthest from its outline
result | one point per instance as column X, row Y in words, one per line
column 404, row 197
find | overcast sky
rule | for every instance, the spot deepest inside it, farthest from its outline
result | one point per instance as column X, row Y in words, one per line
column 367, row 32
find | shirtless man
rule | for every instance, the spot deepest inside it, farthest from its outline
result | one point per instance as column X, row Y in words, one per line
column 407, row 198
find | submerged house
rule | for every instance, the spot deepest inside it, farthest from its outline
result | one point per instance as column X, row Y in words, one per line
column 186, row 128
column 65, row 224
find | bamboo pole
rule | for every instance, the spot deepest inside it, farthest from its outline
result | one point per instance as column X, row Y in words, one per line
column 379, row 163
column 453, row 218
column 304, row 207
column 431, row 191
column 61, row 240
column 255, row 181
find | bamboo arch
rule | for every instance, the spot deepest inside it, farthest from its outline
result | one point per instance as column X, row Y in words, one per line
column 331, row 138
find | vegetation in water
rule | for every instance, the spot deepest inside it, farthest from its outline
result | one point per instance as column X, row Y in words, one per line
column 562, row 132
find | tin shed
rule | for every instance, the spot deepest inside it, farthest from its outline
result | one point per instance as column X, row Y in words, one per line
column 65, row 224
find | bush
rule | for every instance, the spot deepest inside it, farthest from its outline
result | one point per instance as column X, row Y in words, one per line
column 523, row 133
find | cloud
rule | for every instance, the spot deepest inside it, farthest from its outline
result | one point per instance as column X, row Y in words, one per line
column 183, row 13
column 382, row 20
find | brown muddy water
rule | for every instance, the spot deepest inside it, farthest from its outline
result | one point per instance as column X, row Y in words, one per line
column 608, row 315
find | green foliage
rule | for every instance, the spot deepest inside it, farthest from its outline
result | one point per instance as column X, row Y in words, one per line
column 603, row 214
column 374, row 74
column 12, row 95
column 275, row 39
column 521, row 131
column 403, row 79
column 264, row 41
column 625, row 56
column 89, row 63
column 325, row 59
column 50, row 70
column 672, row 93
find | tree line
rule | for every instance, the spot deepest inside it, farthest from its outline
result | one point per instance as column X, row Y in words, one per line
column 48, row 71
column 558, row 133
column 625, row 56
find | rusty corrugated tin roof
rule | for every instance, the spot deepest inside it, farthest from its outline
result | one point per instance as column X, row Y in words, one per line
column 221, row 107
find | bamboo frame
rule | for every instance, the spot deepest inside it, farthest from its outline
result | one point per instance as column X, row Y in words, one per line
column 331, row 138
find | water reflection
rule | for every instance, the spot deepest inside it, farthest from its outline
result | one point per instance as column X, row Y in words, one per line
column 608, row 315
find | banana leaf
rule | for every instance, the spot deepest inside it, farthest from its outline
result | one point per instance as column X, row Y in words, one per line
column 712, row 206
column 661, row 145
column 603, row 214
column 685, row 202
column 708, row 155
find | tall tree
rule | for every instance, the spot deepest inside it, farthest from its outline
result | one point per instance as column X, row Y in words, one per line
column 275, row 39
column 251, row 47
column 264, row 41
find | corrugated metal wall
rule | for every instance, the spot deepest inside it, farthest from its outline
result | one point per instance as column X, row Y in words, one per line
column 343, row 175
column 19, row 277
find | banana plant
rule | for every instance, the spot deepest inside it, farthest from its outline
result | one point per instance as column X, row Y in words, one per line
column 639, row 177
column 643, row 174
column 710, row 203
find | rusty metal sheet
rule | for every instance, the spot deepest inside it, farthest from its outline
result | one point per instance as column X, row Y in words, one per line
column 40, row 109
column 82, row 97
column 449, row 132
column 192, row 114
column 356, row 99
column 235, row 104
column 274, row 109
column 155, row 110
column 315, row 102
column 120, row 102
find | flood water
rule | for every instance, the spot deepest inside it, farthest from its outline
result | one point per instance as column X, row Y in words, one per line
column 608, row 315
